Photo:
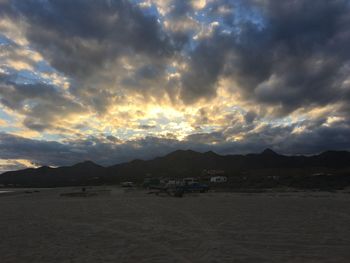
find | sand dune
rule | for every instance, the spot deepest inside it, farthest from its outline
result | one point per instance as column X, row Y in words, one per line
column 135, row 227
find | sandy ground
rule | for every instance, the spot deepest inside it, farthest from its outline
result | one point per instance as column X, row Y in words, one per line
column 213, row 227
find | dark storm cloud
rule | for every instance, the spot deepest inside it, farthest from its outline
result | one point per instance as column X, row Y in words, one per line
column 89, row 42
column 5, row 8
column 205, row 66
column 100, row 150
column 41, row 152
column 250, row 116
column 78, row 37
column 294, row 55
column 316, row 138
column 287, row 54
column 92, row 148
column 143, row 76
column 307, row 43
column 41, row 104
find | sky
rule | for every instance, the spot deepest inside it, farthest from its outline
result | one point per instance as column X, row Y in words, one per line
column 111, row 81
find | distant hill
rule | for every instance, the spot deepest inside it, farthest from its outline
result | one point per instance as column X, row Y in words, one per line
column 183, row 163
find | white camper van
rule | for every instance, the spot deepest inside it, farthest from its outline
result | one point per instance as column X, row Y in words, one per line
column 218, row 179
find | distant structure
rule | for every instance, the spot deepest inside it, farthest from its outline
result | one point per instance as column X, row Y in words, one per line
column 189, row 180
column 218, row 179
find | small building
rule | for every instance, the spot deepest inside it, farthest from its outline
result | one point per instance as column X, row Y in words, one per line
column 189, row 180
column 174, row 182
column 218, row 179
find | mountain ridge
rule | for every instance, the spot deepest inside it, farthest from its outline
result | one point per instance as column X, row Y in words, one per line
column 180, row 163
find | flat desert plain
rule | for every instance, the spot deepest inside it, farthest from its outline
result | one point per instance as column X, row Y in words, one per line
column 133, row 226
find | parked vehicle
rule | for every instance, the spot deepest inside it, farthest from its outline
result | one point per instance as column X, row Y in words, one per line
column 218, row 179
column 189, row 180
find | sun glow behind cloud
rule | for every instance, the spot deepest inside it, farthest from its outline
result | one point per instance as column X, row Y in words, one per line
column 192, row 74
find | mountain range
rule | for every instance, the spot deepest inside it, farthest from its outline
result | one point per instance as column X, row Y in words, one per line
column 187, row 163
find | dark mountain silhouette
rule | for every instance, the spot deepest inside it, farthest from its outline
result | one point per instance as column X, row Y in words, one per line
column 268, row 152
column 183, row 163
column 80, row 173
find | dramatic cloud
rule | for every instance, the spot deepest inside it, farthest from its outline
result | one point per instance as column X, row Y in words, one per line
column 115, row 80
column 78, row 37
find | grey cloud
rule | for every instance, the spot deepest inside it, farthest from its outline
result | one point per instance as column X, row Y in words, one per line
column 89, row 41
column 295, row 58
column 205, row 66
column 91, row 148
column 206, row 138
column 147, row 126
column 319, row 139
column 112, row 138
column 250, row 116
column 41, row 152
column 280, row 53
column 294, row 55
column 41, row 104
column 145, row 75
column 11, row 166
column 79, row 36
column 304, row 47
column 281, row 138
column 316, row 138
column 5, row 8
